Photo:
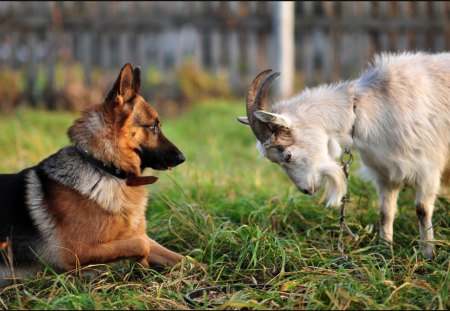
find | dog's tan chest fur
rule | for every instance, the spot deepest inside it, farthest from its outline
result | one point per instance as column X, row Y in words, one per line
column 81, row 224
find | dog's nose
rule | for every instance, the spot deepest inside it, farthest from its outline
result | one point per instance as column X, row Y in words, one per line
column 181, row 158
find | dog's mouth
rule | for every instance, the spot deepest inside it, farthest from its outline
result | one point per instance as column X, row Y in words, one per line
column 154, row 167
column 160, row 161
column 159, row 167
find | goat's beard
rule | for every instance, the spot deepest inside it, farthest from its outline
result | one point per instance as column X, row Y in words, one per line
column 335, row 183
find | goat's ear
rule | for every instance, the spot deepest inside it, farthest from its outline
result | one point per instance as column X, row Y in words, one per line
column 123, row 89
column 273, row 119
column 243, row 120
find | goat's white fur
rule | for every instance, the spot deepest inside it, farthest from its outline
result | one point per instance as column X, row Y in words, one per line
column 401, row 129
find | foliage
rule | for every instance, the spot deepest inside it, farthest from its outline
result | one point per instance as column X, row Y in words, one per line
column 241, row 216
column 173, row 91
column 11, row 88
column 194, row 82
column 70, row 87
column 64, row 88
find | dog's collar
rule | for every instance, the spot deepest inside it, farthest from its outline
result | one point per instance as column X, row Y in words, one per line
column 109, row 168
column 134, row 181
column 130, row 179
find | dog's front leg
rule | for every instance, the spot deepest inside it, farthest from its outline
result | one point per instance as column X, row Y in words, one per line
column 161, row 256
column 137, row 248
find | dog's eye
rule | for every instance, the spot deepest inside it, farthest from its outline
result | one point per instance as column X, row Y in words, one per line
column 152, row 127
column 287, row 156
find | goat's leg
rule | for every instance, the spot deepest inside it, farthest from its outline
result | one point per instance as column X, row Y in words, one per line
column 425, row 197
column 387, row 197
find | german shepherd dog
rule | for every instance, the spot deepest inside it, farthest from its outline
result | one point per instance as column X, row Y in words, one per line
column 86, row 203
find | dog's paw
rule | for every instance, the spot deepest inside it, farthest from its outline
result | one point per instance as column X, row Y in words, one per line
column 192, row 264
column 143, row 262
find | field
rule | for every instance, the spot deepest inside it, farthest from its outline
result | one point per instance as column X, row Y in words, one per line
column 240, row 215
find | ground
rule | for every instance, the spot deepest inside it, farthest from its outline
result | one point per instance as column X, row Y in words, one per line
column 240, row 215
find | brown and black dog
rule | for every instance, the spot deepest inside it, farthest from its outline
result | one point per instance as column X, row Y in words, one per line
column 86, row 203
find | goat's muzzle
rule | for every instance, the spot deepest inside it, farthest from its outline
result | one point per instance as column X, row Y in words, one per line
column 306, row 191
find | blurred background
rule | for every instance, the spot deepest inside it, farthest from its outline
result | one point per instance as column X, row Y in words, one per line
column 65, row 55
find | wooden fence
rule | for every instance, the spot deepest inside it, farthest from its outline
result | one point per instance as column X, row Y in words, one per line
column 333, row 40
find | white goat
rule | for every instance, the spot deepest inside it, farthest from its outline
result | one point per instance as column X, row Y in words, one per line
column 396, row 115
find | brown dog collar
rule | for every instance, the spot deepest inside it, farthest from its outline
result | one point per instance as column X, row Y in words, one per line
column 134, row 181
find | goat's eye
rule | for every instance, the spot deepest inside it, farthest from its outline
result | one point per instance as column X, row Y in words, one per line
column 287, row 156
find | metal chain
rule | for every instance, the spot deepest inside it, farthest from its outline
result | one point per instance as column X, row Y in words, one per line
column 346, row 198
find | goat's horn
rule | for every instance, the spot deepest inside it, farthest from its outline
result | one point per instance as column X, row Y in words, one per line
column 260, row 99
column 251, row 95
column 256, row 125
column 256, row 99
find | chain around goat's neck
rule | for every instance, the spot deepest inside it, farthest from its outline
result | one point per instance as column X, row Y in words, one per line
column 343, row 226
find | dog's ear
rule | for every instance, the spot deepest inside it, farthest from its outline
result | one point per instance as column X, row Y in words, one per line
column 137, row 80
column 124, row 85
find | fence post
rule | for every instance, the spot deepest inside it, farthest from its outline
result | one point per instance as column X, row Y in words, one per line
column 31, row 69
column 233, row 58
column 283, row 18
column 216, row 51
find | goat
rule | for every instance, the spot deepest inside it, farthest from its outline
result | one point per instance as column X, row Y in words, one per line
column 396, row 115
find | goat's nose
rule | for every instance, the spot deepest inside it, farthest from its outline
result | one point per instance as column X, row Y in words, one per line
column 305, row 191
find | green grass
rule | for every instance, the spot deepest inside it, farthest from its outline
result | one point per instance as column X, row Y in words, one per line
column 240, row 215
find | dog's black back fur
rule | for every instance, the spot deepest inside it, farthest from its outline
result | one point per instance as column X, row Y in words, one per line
column 15, row 223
